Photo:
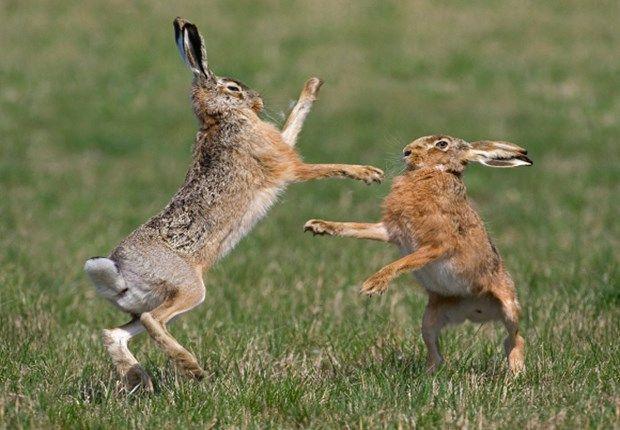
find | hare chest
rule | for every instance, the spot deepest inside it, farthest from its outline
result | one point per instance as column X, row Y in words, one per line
column 256, row 209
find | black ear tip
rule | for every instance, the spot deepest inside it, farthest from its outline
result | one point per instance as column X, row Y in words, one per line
column 179, row 24
column 177, row 29
column 526, row 159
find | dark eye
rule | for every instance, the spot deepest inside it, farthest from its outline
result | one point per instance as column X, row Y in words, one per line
column 233, row 88
column 442, row 144
column 407, row 152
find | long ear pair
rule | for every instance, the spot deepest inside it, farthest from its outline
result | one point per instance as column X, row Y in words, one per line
column 498, row 154
column 192, row 48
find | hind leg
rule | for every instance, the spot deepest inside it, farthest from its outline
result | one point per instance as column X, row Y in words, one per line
column 440, row 312
column 514, row 344
column 115, row 341
column 431, row 327
column 155, row 324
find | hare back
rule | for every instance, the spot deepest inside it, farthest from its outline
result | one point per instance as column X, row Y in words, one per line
column 238, row 170
column 213, row 199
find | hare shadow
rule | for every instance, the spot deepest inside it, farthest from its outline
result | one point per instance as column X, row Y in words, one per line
column 89, row 389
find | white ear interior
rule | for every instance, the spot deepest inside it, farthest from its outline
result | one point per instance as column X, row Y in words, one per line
column 499, row 156
column 190, row 56
column 181, row 47
column 185, row 51
column 510, row 162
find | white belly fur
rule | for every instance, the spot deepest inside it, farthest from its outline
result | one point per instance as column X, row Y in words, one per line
column 439, row 277
column 258, row 208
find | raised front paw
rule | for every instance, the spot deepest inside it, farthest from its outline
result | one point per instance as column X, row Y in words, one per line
column 376, row 284
column 318, row 226
column 311, row 87
column 369, row 174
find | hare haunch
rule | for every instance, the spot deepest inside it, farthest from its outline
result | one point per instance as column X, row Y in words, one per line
column 239, row 166
column 443, row 240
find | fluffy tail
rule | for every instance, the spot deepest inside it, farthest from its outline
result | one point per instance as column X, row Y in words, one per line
column 105, row 276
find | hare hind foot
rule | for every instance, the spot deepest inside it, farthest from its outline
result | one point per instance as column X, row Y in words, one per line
column 131, row 373
column 136, row 378
column 515, row 353
column 182, row 358
column 155, row 323
column 190, row 367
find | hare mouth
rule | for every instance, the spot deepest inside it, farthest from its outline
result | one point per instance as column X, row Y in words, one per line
column 414, row 163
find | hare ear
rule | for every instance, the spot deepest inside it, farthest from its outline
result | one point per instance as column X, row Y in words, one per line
column 498, row 154
column 192, row 48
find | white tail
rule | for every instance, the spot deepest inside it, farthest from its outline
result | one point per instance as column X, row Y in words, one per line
column 105, row 276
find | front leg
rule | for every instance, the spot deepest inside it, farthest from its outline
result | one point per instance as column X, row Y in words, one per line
column 298, row 115
column 306, row 172
column 379, row 282
column 372, row 231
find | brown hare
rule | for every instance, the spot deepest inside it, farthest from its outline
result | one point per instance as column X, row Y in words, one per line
column 239, row 166
column 443, row 240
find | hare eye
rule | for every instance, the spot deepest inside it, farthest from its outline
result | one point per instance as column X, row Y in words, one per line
column 232, row 88
column 407, row 152
column 442, row 144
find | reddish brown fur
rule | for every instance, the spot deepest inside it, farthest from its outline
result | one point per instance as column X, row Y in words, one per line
column 428, row 216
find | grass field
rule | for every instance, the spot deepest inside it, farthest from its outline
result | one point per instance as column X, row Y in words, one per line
column 96, row 132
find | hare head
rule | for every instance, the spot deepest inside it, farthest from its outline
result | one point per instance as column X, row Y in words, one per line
column 211, row 95
column 452, row 154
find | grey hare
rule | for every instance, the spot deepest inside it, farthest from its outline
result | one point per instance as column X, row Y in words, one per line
column 240, row 164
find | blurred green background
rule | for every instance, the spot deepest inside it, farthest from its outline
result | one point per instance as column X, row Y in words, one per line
column 95, row 136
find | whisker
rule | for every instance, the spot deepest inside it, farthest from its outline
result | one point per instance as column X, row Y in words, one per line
column 393, row 162
column 393, row 155
column 276, row 117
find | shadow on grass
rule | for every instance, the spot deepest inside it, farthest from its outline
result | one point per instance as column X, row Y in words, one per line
column 90, row 388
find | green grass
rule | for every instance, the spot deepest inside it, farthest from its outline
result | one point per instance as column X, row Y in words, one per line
column 96, row 132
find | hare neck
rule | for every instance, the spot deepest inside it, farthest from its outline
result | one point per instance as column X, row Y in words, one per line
column 434, row 172
column 432, row 182
column 214, row 117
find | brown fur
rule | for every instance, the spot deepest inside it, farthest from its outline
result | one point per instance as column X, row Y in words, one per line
column 428, row 216
column 239, row 166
